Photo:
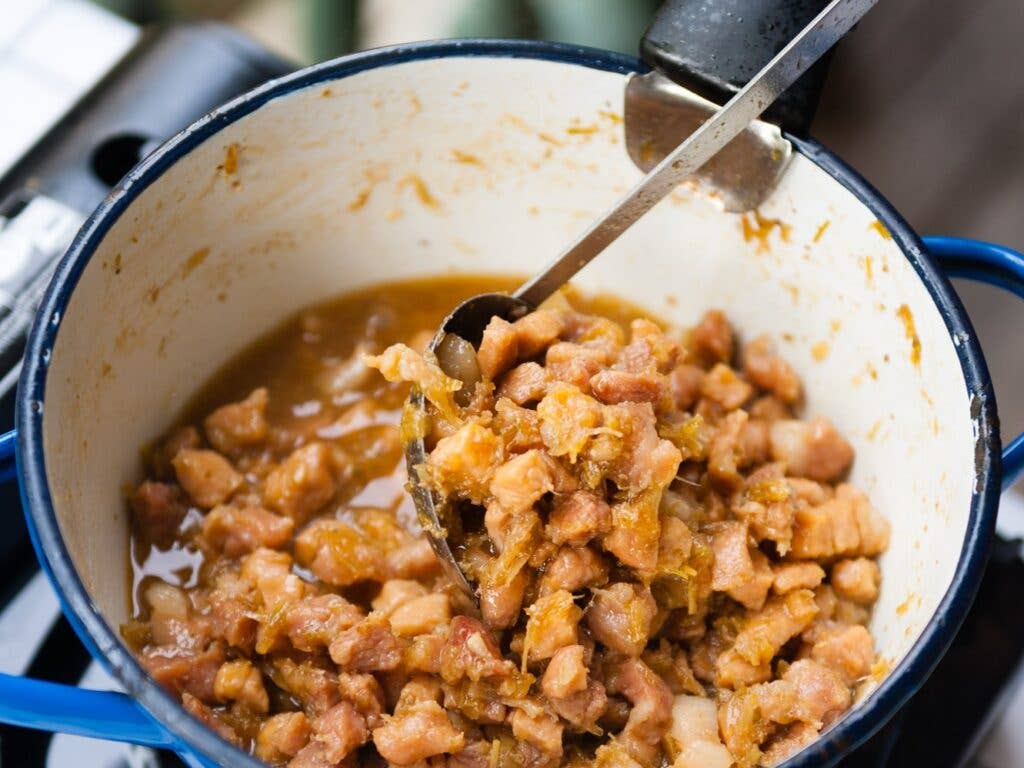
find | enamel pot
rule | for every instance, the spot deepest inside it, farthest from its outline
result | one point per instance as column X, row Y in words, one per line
column 488, row 156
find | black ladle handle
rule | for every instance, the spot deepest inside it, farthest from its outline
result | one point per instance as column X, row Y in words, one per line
column 714, row 47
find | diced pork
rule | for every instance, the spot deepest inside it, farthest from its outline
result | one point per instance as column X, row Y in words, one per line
column 578, row 518
column 846, row 525
column 811, row 449
column 364, row 693
column 421, row 615
column 239, row 681
column 611, row 386
column 552, row 624
column 620, row 617
column 769, row 371
column 369, row 646
column 573, row 569
column 236, row 531
column 158, row 509
column 566, row 673
column 499, row 348
column 313, row 622
column 282, row 736
column 422, row 731
column 694, row 734
column 848, row 650
column 301, row 485
column 536, row 331
column 856, row 580
column 461, row 464
column 725, row 387
column 235, row 427
column 712, row 337
column 790, row 576
column 500, row 604
column 470, row 652
column 339, row 731
column 207, row 477
column 539, row 728
column 524, row 384
column 651, row 715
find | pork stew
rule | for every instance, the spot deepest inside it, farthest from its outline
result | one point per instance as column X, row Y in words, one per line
column 671, row 570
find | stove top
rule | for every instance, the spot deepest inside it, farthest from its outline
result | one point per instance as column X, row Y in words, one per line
column 965, row 714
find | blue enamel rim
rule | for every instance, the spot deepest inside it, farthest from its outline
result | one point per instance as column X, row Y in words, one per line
column 195, row 738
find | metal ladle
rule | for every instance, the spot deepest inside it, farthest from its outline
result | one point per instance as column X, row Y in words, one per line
column 468, row 320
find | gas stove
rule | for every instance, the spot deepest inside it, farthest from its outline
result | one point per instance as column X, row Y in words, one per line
column 81, row 121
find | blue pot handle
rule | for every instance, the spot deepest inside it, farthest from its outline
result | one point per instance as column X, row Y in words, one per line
column 50, row 706
column 114, row 716
column 996, row 265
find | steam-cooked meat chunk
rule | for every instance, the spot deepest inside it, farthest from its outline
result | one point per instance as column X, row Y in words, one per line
column 241, row 682
column 499, row 348
column 723, row 386
column 421, row 731
column 311, row 685
column 790, row 576
column 521, row 481
column 552, row 624
column 369, row 646
column 578, row 518
column 364, row 693
column 536, row 331
column 770, row 372
column 573, row 569
column 811, row 449
column 500, row 604
column 183, row 671
column 313, row 622
column 338, row 553
column 762, row 636
column 856, row 580
column 207, row 477
column 712, row 337
column 612, row 387
column 462, row 464
column 620, row 617
column 470, row 652
column 237, row 531
column 526, row 383
column 234, row 427
column 282, row 736
column 421, row 615
column 582, row 710
column 845, row 525
column 733, row 566
column 685, row 384
column 694, row 733
column 339, row 732
column 302, row 484
column 651, row 714
column 158, row 509
column 845, row 649
column 566, row 673
column 541, row 729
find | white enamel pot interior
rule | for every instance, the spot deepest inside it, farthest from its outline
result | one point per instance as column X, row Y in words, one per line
column 488, row 157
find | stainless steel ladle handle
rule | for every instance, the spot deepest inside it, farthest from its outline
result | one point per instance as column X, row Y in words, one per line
column 755, row 97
